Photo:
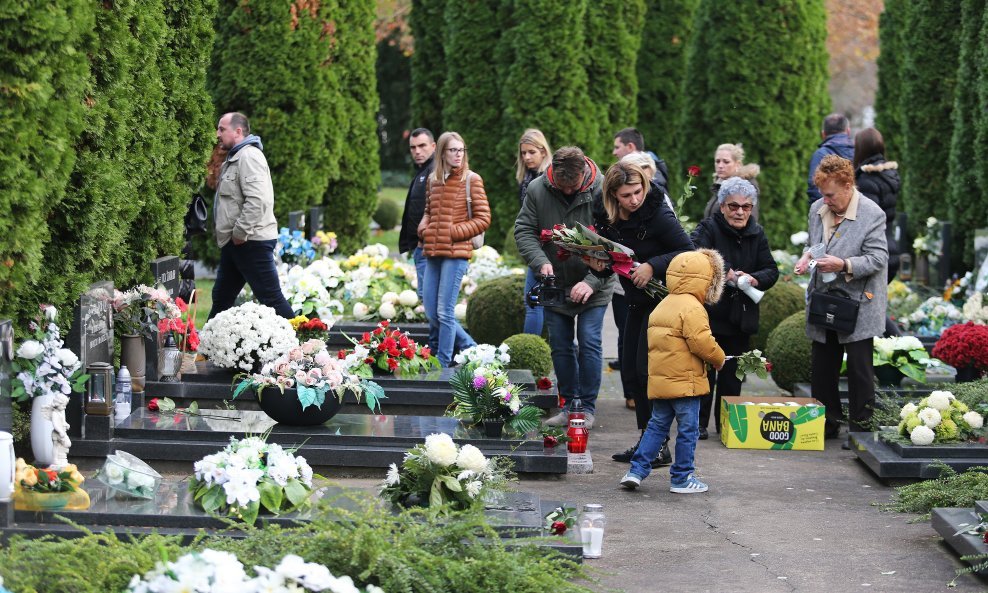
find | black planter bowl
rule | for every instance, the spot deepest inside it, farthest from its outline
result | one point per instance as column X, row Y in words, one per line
column 284, row 408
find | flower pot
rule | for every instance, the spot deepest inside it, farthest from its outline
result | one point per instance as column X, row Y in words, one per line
column 41, row 428
column 888, row 376
column 967, row 374
column 493, row 428
column 285, row 408
column 7, row 465
column 133, row 356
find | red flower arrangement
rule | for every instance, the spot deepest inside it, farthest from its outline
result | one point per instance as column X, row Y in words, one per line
column 391, row 351
column 314, row 328
column 182, row 328
column 964, row 346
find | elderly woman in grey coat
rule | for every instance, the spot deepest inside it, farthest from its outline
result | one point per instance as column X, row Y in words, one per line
column 852, row 229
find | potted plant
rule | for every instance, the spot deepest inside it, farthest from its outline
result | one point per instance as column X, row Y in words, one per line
column 246, row 337
column 896, row 356
column 444, row 477
column 964, row 347
column 939, row 418
column 304, row 375
column 389, row 350
column 249, row 475
column 483, row 395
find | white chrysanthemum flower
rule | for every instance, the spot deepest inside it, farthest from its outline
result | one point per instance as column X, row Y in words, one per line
column 460, row 311
column 930, row 416
column 440, row 449
column 471, row 458
column 939, row 399
column 360, row 310
column 408, row 298
column 387, row 311
column 922, row 435
column 907, row 410
column 393, row 476
column 474, row 487
column 974, row 420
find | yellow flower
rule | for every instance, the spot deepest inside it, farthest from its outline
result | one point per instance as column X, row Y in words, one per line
column 21, row 464
column 29, row 478
column 297, row 321
column 76, row 478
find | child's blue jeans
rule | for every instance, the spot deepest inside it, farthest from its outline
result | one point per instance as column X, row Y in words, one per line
column 686, row 411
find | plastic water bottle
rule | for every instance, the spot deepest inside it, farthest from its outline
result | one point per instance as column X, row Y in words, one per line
column 122, row 397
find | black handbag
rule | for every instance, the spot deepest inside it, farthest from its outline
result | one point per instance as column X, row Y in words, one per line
column 834, row 309
column 195, row 218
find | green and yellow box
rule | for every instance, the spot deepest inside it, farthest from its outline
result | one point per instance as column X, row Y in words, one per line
column 780, row 423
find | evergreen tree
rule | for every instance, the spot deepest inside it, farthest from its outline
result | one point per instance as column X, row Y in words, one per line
column 661, row 72
column 394, row 118
column 757, row 74
column 888, row 98
column 966, row 200
column 351, row 196
column 927, row 102
column 44, row 68
column 981, row 117
column 428, row 68
column 274, row 62
column 613, row 41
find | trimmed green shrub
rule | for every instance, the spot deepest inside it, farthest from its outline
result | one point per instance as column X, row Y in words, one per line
column 613, row 39
column 779, row 302
column 788, row 350
column 428, row 66
column 888, row 97
column 757, row 74
column 531, row 352
column 981, row 123
column 931, row 40
column 972, row 393
column 509, row 250
column 965, row 198
column 388, row 214
column 351, row 195
column 496, row 310
column 661, row 72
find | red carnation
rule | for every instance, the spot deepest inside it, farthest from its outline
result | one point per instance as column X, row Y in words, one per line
column 366, row 338
column 385, row 323
column 381, row 347
column 341, row 354
column 545, row 236
column 544, row 383
column 180, row 303
column 369, row 360
column 153, row 404
column 403, row 342
column 378, row 331
column 408, row 353
column 693, row 171
column 562, row 255
column 392, row 364
column 425, row 352
column 394, row 352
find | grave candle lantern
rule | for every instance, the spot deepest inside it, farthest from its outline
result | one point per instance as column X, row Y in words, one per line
column 171, row 360
column 592, row 523
column 99, row 389
column 578, row 436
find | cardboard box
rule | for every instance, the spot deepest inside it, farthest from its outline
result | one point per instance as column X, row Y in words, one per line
column 779, row 423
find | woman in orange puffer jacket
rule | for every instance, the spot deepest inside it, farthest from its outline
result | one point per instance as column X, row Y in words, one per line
column 446, row 230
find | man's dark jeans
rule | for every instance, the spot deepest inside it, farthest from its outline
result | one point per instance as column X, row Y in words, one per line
column 250, row 263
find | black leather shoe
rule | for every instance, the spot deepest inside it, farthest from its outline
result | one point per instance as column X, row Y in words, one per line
column 626, row 456
column 831, row 430
column 663, row 459
column 704, row 435
column 615, row 365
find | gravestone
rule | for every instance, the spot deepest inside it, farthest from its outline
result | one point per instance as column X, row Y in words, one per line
column 6, row 375
column 165, row 271
column 315, row 220
column 296, row 221
column 981, row 259
column 92, row 339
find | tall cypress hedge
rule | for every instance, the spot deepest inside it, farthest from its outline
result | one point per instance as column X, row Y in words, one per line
column 43, row 77
column 757, row 74
column 613, row 40
column 888, row 97
column 394, row 117
column 927, row 87
column 427, row 21
column 351, row 195
column 661, row 73
column 981, row 121
column 274, row 61
column 968, row 203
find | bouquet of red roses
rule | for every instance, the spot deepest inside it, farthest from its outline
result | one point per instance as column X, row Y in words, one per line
column 390, row 350
column 964, row 345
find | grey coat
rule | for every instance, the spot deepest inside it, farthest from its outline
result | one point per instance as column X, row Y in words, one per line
column 862, row 242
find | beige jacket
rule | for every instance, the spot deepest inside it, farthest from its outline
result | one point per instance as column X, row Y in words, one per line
column 245, row 199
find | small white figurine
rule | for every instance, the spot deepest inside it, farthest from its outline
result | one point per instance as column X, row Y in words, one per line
column 59, row 434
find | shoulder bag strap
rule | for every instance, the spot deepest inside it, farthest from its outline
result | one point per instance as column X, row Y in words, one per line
column 469, row 201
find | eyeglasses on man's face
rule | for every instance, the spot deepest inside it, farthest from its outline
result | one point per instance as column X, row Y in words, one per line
column 456, row 150
column 734, row 207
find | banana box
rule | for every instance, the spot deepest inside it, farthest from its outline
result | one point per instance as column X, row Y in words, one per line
column 780, row 423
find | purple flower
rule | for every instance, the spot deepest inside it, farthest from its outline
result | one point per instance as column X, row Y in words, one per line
column 479, row 382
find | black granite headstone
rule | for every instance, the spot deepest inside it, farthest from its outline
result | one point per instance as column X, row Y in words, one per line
column 315, row 220
column 91, row 338
column 296, row 221
column 165, row 273
column 6, row 356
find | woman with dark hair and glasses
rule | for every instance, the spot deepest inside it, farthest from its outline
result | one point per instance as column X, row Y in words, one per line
column 734, row 319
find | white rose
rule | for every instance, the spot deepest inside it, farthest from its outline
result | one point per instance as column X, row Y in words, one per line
column 114, row 474
column 51, row 312
column 67, row 357
column 408, row 298
column 922, row 435
column 974, row 420
column 387, row 311
column 470, row 458
column 930, row 417
column 440, row 449
column 460, row 311
column 360, row 310
column 907, row 410
column 30, row 349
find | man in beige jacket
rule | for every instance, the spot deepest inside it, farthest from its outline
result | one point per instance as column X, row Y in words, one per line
column 246, row 229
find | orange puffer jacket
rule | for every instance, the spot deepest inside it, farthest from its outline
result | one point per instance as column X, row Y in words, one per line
column 445, row 228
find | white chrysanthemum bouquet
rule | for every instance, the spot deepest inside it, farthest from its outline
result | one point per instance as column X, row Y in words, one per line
column 443, row 476
column 939, row 418
column 251, row 474
column 246, row 337
column 484, row 354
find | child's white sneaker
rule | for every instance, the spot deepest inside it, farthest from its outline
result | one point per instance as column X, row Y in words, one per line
column 689, row 486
